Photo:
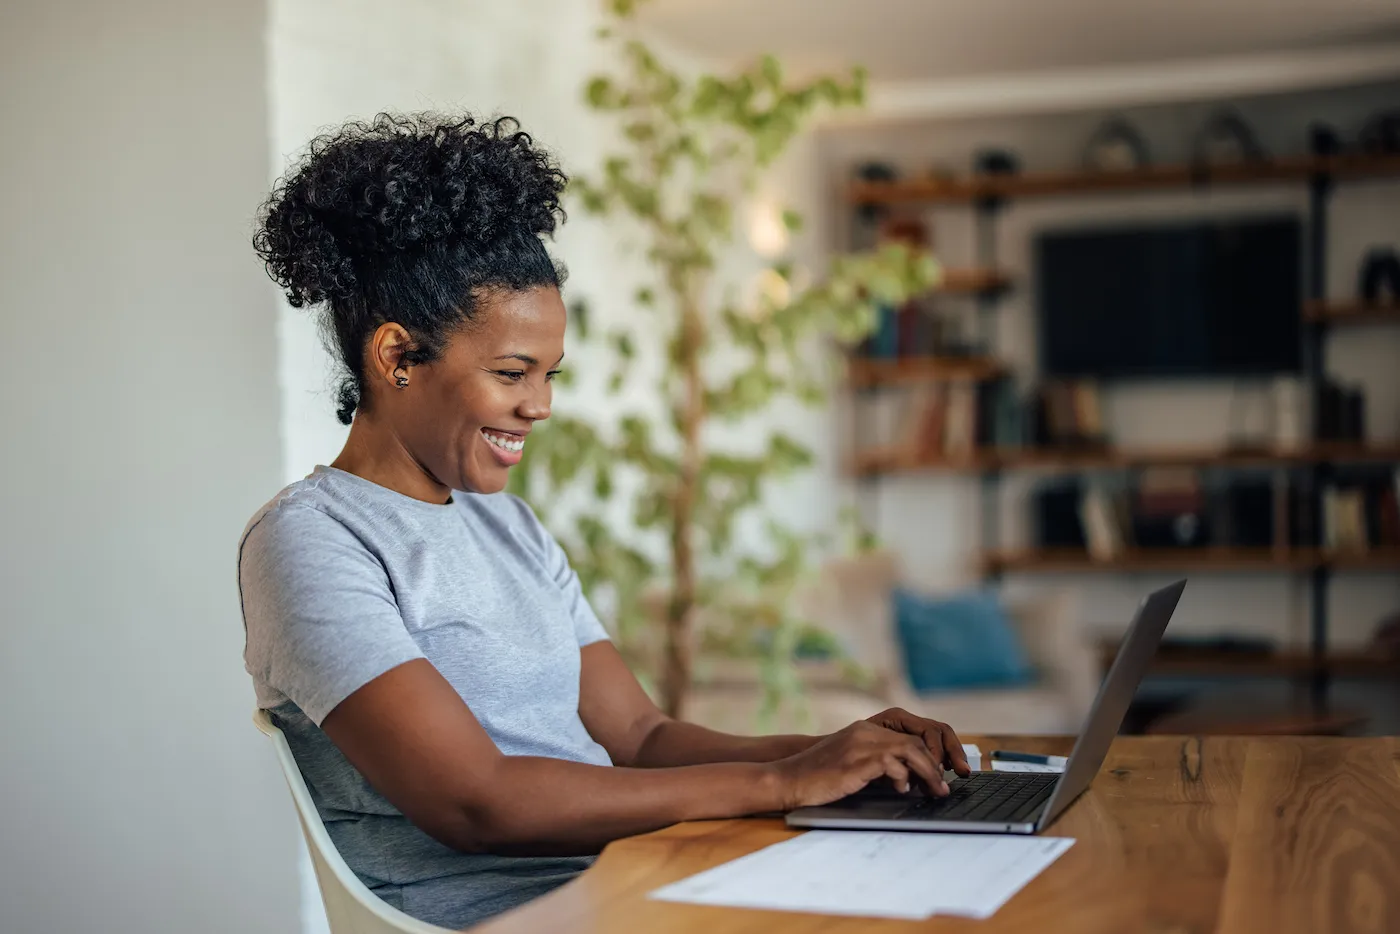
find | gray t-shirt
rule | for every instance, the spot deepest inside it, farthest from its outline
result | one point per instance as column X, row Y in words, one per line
column 342, row 580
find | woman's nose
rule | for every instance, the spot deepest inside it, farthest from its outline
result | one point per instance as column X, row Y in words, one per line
column 536, row 406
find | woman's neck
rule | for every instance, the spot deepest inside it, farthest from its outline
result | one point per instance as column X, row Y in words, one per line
column 374, row 453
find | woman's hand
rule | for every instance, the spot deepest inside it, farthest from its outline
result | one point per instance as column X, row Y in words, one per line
column 845, row 762
column 943, row 744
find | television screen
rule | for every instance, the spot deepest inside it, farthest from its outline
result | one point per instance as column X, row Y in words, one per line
column 1200, row 298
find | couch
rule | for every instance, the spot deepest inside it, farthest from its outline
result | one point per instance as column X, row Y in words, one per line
column 851, row 598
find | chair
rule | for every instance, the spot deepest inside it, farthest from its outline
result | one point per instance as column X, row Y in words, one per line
column 351, row 907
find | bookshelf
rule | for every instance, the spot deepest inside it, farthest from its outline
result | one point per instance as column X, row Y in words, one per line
column 1295, row 170
column 1201, row 560
column 1309, row 471
column 1325, row 312
column 975, row 281
column 1290, row 662
column 897, row 459
column 867, row 373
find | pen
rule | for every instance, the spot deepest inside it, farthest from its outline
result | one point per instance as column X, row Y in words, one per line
column 1031, row 757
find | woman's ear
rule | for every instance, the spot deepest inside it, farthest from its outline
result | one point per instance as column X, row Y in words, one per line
column 385, row 361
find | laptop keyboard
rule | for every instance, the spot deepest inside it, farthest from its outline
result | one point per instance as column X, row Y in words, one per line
column 988, row 796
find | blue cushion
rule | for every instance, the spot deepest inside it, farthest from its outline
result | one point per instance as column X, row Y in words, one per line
column 959, row 641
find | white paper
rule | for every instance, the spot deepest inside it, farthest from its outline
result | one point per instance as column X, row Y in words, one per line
column 876, row 874
column 1001, row 765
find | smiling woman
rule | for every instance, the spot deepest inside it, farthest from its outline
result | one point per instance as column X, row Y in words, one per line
column 467, row 731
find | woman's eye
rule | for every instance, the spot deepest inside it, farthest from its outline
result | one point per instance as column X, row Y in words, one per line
column 551, row 374
column 516, row 375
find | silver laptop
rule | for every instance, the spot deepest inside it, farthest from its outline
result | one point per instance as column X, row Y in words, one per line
column 1015, row 802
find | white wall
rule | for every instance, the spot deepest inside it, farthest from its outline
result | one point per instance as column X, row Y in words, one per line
column 140, row 433
column 934, row 519
column 331, row 61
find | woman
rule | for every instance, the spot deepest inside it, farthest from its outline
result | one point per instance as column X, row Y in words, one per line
column 469, row 733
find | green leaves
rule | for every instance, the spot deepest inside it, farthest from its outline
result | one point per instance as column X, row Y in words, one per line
column 688, row 148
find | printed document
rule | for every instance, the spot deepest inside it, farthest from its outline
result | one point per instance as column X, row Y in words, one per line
column 876, row 874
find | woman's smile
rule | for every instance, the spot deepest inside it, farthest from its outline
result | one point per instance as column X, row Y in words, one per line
column 508, row 447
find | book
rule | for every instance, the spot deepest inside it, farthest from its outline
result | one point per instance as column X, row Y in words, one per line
column 960, row 428
column 927, row 416
column 1101, row 531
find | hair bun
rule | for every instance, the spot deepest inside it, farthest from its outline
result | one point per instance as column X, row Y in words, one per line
column 369, row 193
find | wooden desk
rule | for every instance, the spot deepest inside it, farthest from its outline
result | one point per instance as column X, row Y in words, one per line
column 1176, row 836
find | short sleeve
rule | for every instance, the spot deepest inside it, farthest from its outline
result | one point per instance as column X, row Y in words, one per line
column 587, row 627
column 320, row 614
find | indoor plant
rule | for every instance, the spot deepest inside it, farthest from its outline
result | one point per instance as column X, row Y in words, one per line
column 669, row 576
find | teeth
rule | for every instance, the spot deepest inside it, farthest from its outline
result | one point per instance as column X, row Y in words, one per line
column 505, row 444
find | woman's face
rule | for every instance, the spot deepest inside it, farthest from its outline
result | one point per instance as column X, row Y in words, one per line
column 467, row 414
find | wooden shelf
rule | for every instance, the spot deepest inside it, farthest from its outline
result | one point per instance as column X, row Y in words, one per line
column 1236, row 721
column 1222, row 559
column 1110, row 458
column 1286, row 663
column 865, row 372
column 896, row 459
column 972, row 281
column 1350, row 312
column 1373, row 559
column 1150, row 178
column 1155, row 559
column 890, row 459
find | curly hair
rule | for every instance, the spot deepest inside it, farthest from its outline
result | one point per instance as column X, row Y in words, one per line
column 410, row 219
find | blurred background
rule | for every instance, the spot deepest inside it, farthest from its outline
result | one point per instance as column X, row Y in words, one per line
column 1161, row 341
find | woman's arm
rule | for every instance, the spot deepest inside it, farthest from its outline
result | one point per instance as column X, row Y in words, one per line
column 623, row 720
column 413, row 739
column 411, row 736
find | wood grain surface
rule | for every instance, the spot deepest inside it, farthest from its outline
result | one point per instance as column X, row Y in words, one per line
column 1177, row 835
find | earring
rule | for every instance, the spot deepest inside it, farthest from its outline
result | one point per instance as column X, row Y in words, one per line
column 400, row 381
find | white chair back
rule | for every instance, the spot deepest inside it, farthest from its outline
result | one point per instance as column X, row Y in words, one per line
column 351, row 907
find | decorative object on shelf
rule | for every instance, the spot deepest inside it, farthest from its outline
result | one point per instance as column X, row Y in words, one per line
column 1380, row 136
column 941, row 423
column 1005, row 413
column 1116, row 146
column 906, row 329
column 1341, row 412
column 1379, row 280
column 941, row 172
column 1169, row 509
column 995, row 162
column 1106, row 520
column 1344, row 520
column 1069, row 415
column 1251, row 416
column 1359, row 511
column 874, row 172
column 1225, row 139
column 1259, row 512
column 1386, row 640
column 1290, row 413
column 1323, row 140
column 1055, row 514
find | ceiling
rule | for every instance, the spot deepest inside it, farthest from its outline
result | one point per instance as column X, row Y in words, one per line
column 948, row 40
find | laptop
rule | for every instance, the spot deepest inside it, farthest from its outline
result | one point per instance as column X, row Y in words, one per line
column 1015, row 802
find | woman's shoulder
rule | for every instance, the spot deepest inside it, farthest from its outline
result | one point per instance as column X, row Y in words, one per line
column 305, row 507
